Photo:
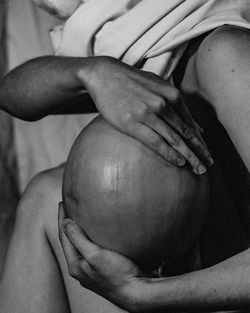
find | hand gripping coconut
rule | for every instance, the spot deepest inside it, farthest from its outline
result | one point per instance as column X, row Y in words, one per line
column 130, row 200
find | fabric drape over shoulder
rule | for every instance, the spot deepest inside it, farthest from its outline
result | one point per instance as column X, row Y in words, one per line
column 151, row 34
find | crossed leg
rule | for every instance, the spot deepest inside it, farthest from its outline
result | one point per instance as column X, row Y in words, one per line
column 35, row 276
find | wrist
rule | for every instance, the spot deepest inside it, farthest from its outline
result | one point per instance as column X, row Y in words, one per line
column 89, row 69
column 136, row 296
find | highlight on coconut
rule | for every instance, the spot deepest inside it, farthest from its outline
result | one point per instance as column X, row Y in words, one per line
column 129, row 199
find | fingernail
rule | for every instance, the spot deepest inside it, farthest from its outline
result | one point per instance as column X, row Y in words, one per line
column 180, row 161
column 201, row 169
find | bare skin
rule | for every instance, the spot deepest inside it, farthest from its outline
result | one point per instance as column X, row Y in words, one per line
column 46, row 286
column 227, row 284
column 43, row 278
column 138, row 103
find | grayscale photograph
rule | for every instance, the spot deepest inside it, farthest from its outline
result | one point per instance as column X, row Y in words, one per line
column 124, row 156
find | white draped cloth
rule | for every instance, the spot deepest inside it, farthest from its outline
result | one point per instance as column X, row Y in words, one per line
column 151, row 34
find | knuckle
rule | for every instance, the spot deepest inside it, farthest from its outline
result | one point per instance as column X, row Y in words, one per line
column 86, row 269
column 130, row 129
column 170, row 155
column 193, row 160
column 72, row 270
column 175, row 140
column 73, row 234
column 83, row 264
column 142, row 112
column 93, row 257
column 160, row 105
column 155, row 141
column 174, row 95
column 127, row 118
column 187, row 133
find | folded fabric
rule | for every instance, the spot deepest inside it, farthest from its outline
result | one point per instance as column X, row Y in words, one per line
column 150, row 34
column 60, row 8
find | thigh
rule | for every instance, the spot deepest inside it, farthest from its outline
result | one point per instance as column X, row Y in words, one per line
column 35, row 276
column 80, row 299
column 31, row 280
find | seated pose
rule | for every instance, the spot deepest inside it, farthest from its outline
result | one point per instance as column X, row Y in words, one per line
column 147, row 107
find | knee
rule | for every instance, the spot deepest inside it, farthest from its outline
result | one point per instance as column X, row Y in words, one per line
column 222, row 52
column 40, row 198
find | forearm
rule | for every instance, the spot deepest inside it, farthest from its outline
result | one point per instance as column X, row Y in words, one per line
column 225, row 286
column 44, row 86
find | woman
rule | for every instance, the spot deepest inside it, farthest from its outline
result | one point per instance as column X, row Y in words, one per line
column 35, row 257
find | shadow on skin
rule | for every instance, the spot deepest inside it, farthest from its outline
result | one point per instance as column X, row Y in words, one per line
column 226, row 232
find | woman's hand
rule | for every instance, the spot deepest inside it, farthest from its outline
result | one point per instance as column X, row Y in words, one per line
column 107, row 273
column 147, row 107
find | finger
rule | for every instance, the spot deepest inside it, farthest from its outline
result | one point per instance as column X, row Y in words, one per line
column 187, row 126
column 176, row 142
column 61, row 214
column 189, row 136
column 61, row 217
column 201, row 130
column 181, row 120
column 79, row 240
column 155, row 141
column 71, row 254
column 86, row 267
column 184, row 123
column 188, row 119
column 182, row 110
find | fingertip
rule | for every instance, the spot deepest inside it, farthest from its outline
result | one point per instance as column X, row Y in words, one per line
column 180, row 161
column 208, row 160
column 200, row 170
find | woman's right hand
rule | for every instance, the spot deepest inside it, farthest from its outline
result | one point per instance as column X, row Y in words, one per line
column 147, row 107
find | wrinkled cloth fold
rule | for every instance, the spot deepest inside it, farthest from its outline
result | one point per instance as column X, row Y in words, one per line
column 150, row 34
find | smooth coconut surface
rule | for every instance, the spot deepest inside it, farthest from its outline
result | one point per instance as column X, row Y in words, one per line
column 129, row 199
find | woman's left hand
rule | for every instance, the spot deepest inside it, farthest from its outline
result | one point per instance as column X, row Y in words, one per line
column 105, row 272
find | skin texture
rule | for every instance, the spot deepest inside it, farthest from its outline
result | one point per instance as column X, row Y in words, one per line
column 43, row 279
column 224, row 286
column 99, row 270
column 147, row 208
column 138, row 103
column 187, row 290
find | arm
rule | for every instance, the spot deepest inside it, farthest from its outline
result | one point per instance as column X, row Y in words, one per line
column 43, row 86
column 225, row 286
column 138, row 103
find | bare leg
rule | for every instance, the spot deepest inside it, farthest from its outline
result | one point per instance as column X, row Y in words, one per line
column 31, row 280
column 35, row 277
column 219, row 71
